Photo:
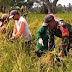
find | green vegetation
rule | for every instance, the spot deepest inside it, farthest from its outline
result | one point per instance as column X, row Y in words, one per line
column 14, row 58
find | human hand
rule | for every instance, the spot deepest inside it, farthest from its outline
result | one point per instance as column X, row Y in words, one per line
column 61, row 53
column 41, row 41
column 12, row 39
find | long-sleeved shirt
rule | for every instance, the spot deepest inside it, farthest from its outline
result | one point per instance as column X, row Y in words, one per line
column 21, row 29
column 63, row 31
column 42, row 33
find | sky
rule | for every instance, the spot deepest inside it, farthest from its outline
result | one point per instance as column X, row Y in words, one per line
column 64, row 2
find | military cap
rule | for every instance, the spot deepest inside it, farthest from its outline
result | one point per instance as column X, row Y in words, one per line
column 48, row 19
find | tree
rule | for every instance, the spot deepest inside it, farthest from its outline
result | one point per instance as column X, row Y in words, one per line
column 59, row 8
column 69, row 7
column 43, row 9
column 30, row 3
column 4, row 5
column 7, row 4
column 50, row 5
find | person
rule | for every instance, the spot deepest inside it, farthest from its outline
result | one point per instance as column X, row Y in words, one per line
column 21, row 29
column 60, row 29
column 25, row 11
column 3, row 22
column 42, row 36
column 42, row 43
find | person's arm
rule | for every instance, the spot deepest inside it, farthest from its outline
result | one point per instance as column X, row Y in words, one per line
column 64, row 31
column 20, row 32
column 15, row 30
column 40, row 32
column 39, row 35
column 64, row 46
column 65, row 41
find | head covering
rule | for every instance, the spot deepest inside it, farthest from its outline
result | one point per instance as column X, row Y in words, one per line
column 13, row 12
column 47, row 19
column 56, row 18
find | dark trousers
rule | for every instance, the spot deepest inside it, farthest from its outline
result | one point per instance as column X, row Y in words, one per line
column 39, row 53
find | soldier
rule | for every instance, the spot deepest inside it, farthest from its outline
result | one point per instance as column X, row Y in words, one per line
column 60, row 29
column 42, row 35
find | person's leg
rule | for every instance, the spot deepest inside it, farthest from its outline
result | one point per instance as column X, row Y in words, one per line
column 39, row 53
column 23, row 46
column 27, row 46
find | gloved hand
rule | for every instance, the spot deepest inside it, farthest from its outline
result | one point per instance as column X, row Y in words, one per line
column 41, row 41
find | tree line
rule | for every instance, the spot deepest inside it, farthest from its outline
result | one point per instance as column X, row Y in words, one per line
column 47, row 6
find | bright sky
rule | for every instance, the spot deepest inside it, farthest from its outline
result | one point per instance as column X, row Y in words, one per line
column 64, row 2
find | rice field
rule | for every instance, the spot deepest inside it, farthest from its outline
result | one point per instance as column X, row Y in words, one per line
column 14, row 58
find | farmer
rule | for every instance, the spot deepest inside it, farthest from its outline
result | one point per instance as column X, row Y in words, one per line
column 42, row 43
column 3, row 22
column 21, row 29
column 42, row 35
column 60, row 29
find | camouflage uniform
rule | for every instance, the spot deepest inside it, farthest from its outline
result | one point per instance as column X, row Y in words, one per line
column 66, row 40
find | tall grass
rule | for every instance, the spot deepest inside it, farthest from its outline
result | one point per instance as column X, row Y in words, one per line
column 14, row 58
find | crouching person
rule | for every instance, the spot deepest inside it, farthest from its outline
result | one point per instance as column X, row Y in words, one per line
column 21, row 29
column 62, row 30
column 42, row 43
